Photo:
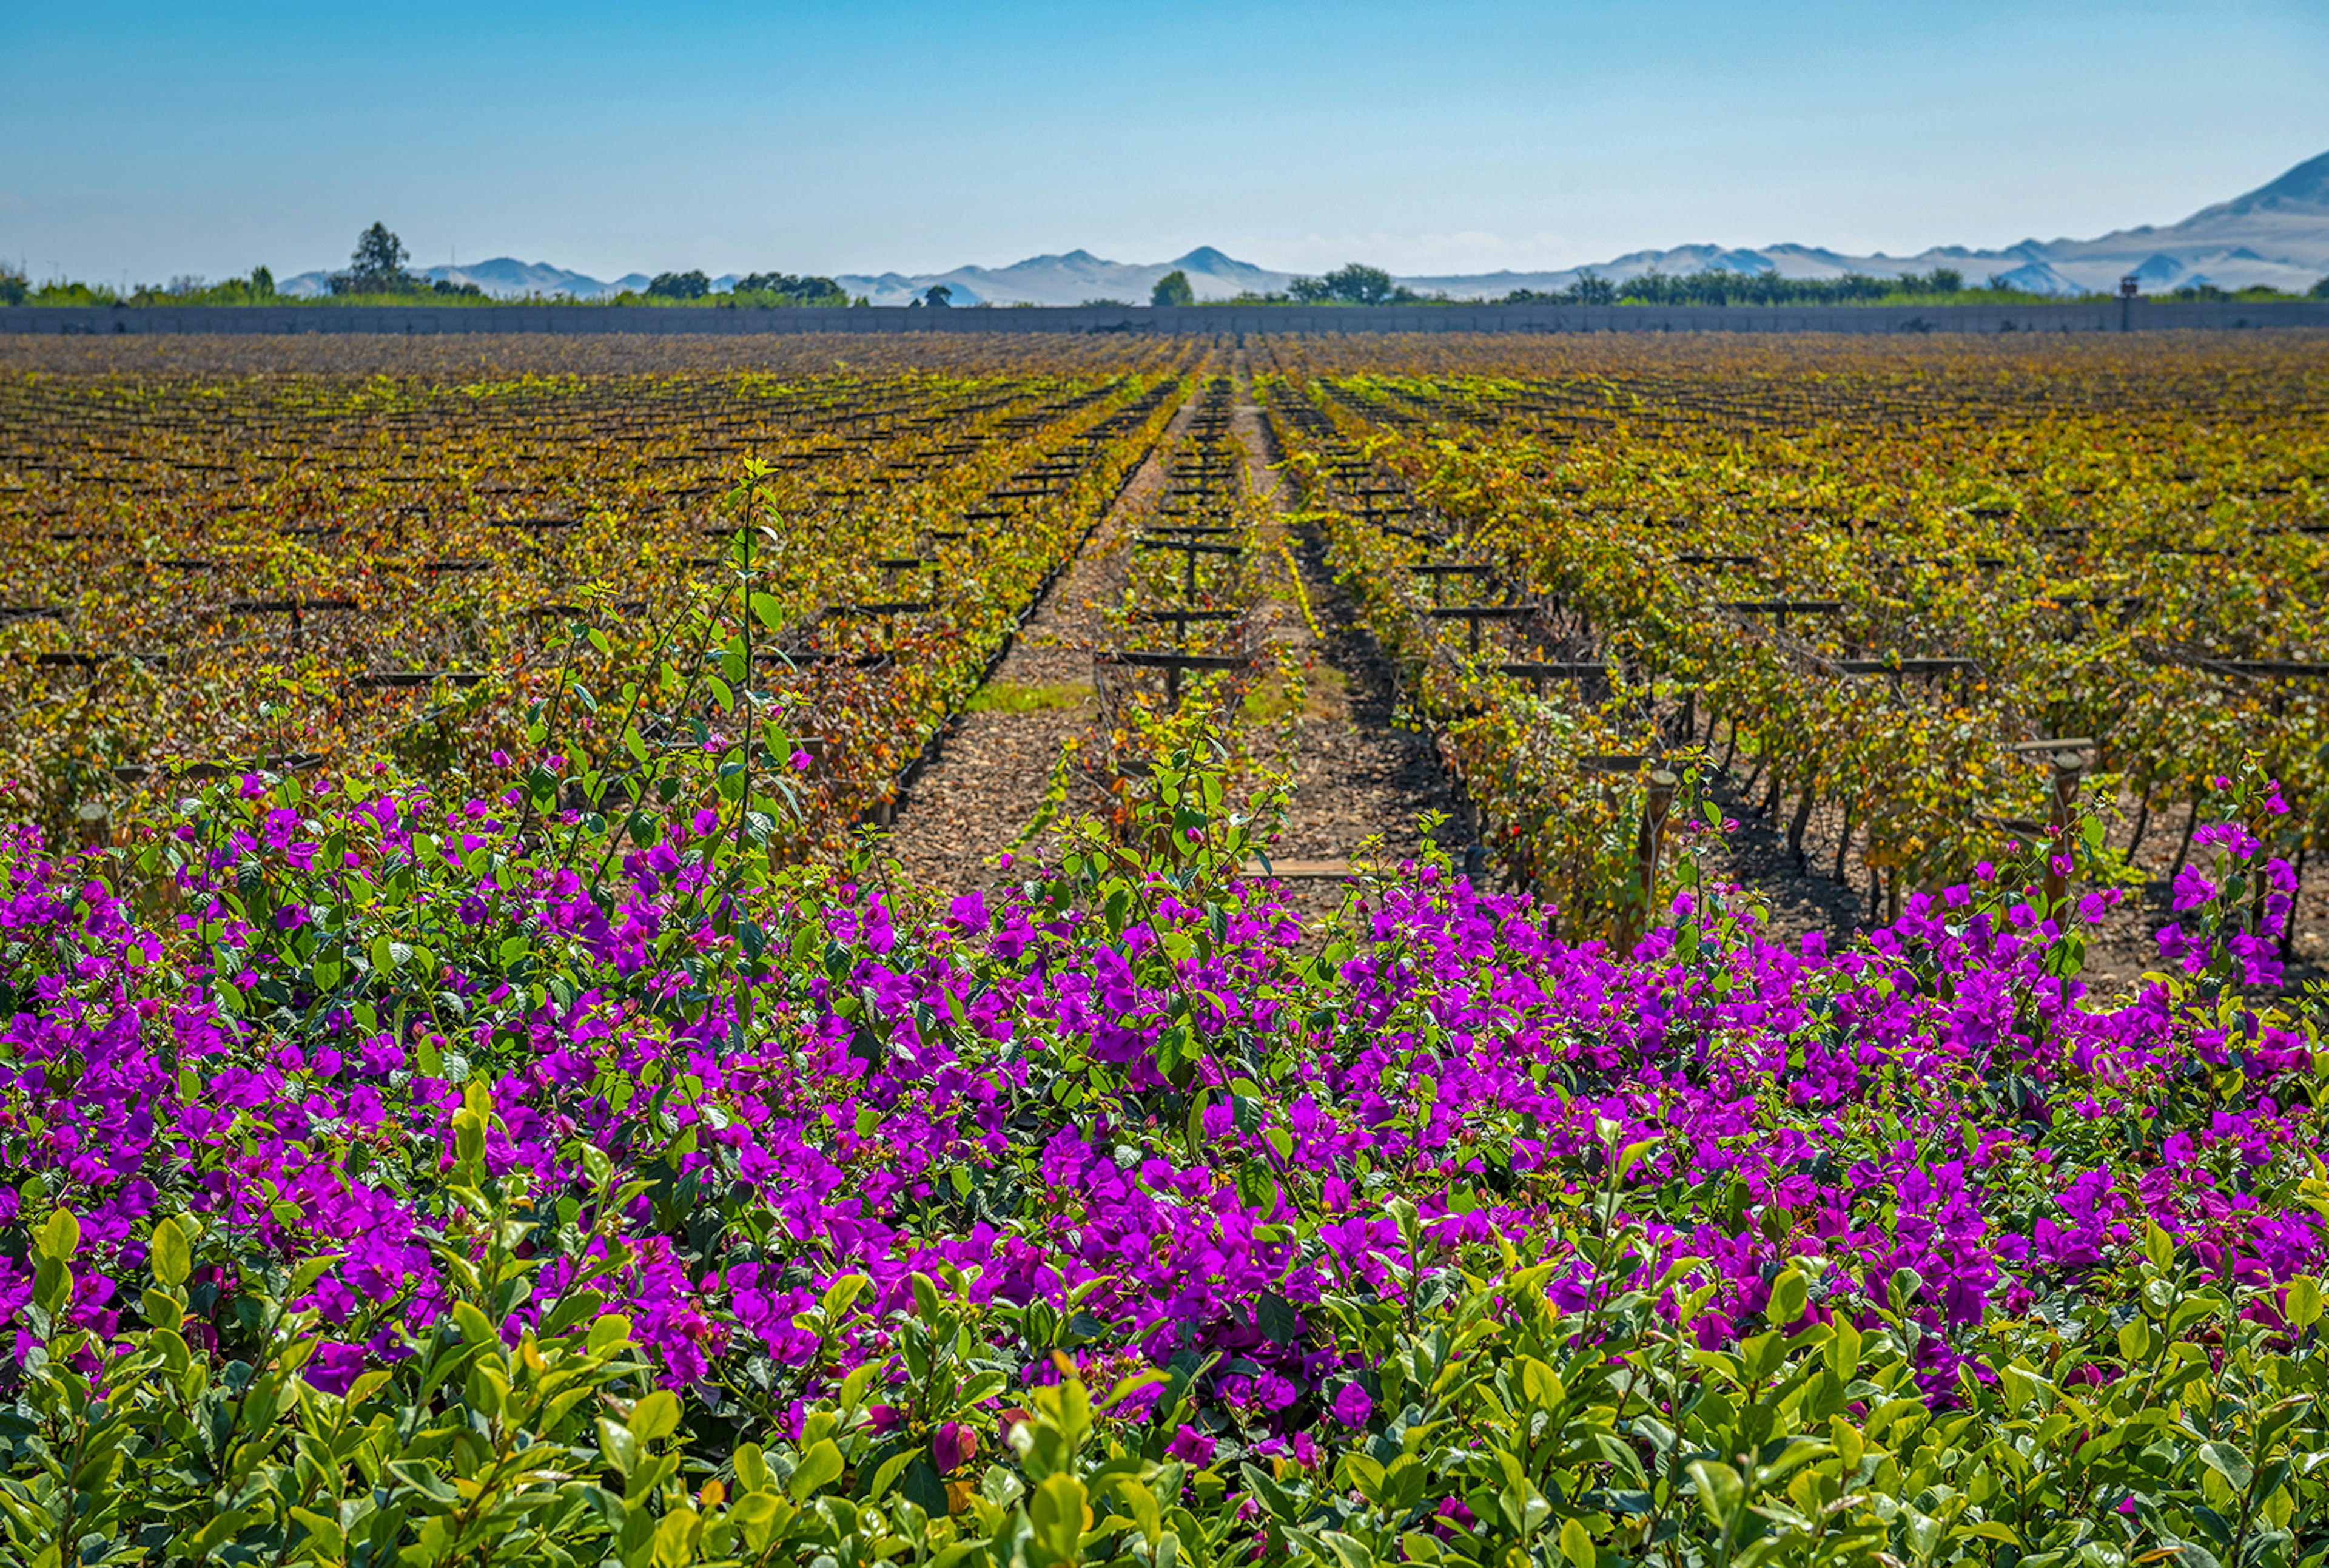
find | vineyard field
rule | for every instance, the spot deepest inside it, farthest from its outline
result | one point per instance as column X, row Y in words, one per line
column 1010, row 952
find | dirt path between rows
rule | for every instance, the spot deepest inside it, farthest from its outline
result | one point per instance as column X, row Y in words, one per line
column 968, row 808
column 1357, row 778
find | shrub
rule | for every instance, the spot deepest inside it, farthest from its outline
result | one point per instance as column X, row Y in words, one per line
column 540, row 1175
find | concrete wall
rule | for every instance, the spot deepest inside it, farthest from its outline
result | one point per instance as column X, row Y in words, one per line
column 2093, row 316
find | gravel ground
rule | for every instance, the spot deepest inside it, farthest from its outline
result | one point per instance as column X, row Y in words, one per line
column 1356, row 777
column 967, row 808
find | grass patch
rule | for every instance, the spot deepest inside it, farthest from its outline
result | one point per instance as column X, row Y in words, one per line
column 1017, row 697
column 1320, row 694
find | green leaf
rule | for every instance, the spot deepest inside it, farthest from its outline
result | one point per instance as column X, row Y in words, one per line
column 769, row 610
column 323, row 1531
column 168, row 1255
column 2227, row 1461
column 1056, row 1510
column 925, row 1488
column 1576, row 1543
column 1277, row 1319
column 309, row 1271
column 424, row 1480
column 1720, row 1492
column 60, row 1237
column 2302, row 1303
column 818, row 1468
column 1541, row 1385
column 1789, row 1294
column 596, row 1164
column 656, row 1415
column 841, row 1295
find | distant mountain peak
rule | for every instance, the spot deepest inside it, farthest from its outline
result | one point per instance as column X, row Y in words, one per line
column 2276, row 234
column 2305, row 188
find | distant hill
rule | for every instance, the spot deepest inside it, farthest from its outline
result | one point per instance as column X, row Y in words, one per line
column 503, row 277
column 2276, row 234
column 1071, row 280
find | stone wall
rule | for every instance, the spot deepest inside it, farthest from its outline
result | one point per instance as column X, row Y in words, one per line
column 2102, row 316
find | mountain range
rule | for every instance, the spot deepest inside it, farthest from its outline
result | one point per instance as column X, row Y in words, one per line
column 2276, row 234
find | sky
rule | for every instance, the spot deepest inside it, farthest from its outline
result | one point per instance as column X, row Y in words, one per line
column 861, row 137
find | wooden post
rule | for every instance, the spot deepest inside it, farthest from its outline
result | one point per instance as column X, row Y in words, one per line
column 2069, row 768
column 2288, row 926
column 1647, row 844
column 2190, row 826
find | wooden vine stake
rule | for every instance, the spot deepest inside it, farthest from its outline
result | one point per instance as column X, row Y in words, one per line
column 2069, row 766
column 1648, row 846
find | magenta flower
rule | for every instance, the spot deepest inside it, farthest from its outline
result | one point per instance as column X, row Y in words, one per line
column 2192, row 890
column 1191, row 1447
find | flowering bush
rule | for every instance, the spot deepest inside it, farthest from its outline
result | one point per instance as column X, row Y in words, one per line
column 390, row 1181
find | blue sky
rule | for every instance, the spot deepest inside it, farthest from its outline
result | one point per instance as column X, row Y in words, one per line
column 159, row 140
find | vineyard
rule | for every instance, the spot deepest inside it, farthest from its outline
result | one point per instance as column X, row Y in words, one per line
column 1012, row 951
column 207, row 577
column 1925, row 617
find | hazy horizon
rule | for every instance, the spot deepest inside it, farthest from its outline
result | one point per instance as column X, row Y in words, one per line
column 911, row 137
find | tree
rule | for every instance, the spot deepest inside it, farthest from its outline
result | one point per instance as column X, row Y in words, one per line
column 1172, row 288
column 13, row 287
column 937, row 293
column 1593, row 288
column 377, row 266
column 1353, row 284
column 1357, row 285
column 692, row 285
column 784, row 288
column 262, row 283
column 2319, row 291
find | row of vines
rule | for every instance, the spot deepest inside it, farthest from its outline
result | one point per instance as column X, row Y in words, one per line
column 203, row 573
column 1922, row 588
